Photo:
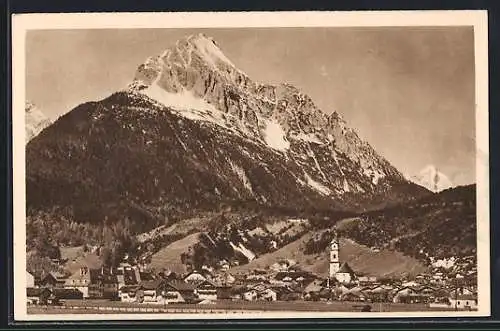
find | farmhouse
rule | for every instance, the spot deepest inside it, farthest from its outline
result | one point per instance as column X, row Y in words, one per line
column 465, row 301
column 51, row 279
column 178, row 291
column 128, row 293
column 206, row 290
column 250, row 295
column 152, row 291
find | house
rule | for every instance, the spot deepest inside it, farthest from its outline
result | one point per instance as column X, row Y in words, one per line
column 67, row 293
column 403, row 295
column 441, row 296
column 38, row 296
column 461, row 291
column 110, row 286
column 267, row 294
column 206, row 290
column 286, row 293
column 410, row 283
column 152, row 291
column 128, row 293
column 237, row 292
column 127, row 275
column 378, row 294
column 250, row 295
column 224, row 279
column 51, row 279
column 464, row 301
column 178, row 291
column 355, row 296
column 314, row 286
column 79, row 280
column 103, row 284
column 367, row 279
column 410, row 295
column 30, row 280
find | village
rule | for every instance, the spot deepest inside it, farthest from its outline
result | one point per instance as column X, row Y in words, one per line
column 284, row 281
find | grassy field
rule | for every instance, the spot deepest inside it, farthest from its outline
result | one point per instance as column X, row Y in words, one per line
column 222, row 306
column 170, row 256
column 361, row 258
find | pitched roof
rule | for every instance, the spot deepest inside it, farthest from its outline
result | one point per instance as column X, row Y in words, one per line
column 130, row 288
column 181, row 286
column 35, row 291
column 151, row 284
column 345, row 268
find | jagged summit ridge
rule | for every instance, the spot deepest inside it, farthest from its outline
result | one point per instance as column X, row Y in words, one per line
column 199, row 82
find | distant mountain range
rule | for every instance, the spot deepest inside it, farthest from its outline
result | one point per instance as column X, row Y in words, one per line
column 35, row 121
column 432, row 179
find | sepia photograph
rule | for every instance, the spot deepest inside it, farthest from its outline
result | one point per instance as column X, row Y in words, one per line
column 250, row 165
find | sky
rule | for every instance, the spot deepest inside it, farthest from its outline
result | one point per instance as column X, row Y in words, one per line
column 409, row 92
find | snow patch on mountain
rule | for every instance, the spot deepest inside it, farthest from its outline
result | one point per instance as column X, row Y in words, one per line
column 275, row 136
column 242, row 175
column 432, row 179
column 243, row 250
column 35, row 121
column 185, row 100
column 312, row 138
column 322, row 189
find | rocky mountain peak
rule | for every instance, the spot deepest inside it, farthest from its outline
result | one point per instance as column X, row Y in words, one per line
column 195, row 78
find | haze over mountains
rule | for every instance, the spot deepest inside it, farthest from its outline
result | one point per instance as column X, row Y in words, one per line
column 432, row 179
column 35, row 121
column 192, row 134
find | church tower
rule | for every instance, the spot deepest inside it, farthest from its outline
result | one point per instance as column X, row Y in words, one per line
column 334, row 256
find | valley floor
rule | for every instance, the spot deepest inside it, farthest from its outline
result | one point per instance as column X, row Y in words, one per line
column 224, row 307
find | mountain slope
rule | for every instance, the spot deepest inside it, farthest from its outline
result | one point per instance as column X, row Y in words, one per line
column 439, row 226
column 35, row 121
column 193, row 133
column 432, row 179
column 362, row 259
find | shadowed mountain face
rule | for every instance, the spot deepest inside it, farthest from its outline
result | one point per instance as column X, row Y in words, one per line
column 192, row 133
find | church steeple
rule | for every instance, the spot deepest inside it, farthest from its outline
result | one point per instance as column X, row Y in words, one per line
column 334, row 255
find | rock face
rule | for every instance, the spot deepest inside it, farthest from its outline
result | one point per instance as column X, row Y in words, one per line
column 35, row 121
column 191, row 132
column 432, row 179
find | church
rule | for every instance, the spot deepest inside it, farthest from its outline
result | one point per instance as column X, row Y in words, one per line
column 343, row 273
